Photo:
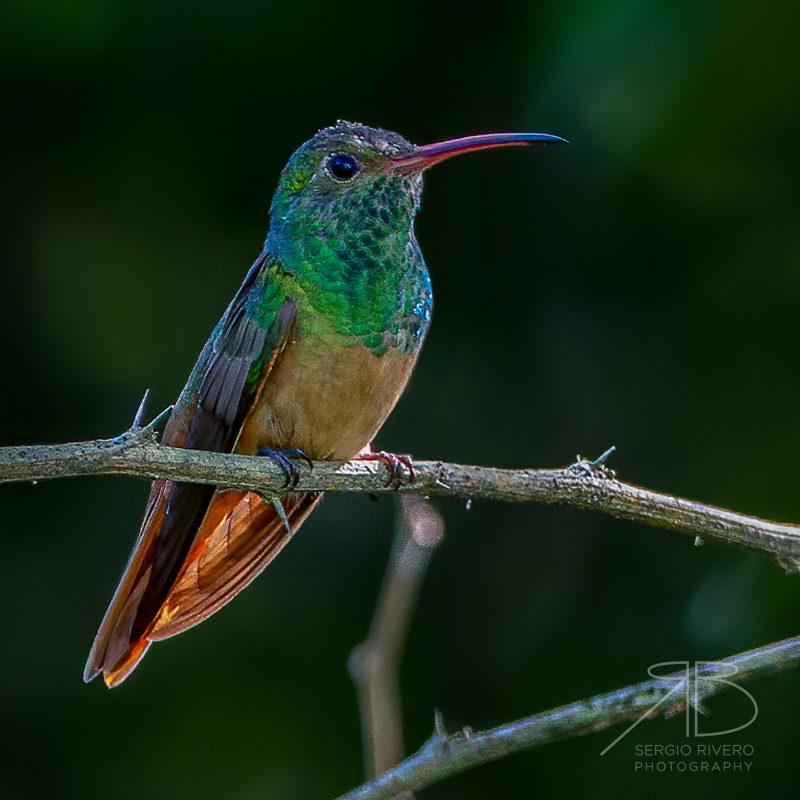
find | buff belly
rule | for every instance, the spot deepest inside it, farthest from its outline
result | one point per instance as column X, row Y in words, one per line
column 327, row 402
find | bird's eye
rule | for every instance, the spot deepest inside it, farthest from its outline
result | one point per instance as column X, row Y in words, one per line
column 342, row 167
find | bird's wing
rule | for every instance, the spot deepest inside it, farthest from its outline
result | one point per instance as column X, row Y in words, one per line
column 239, row 536
column 235, row 362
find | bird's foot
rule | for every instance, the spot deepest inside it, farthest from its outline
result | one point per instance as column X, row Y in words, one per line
column 286, row 459
column 395, row 466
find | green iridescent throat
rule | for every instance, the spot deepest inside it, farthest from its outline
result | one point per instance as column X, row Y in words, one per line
column 351, row 251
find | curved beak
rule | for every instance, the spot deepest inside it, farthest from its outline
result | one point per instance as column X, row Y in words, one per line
column 430, row 154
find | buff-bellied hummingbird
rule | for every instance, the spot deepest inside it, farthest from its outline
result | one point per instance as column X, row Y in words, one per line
column 306, row 363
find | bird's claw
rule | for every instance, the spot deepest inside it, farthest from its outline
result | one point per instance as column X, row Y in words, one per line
column 285, row 459
column 395, row 465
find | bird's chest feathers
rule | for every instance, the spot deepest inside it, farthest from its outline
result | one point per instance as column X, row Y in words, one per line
column 373, row 287
column 325, row 396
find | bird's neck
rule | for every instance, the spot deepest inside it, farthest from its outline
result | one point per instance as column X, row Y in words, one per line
column 365, row 283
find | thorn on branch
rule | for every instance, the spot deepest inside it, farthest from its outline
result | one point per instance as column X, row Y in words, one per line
column 439, row 732
column 137, row 432
column 596, row 468
column 137, row 420
column 150, row 428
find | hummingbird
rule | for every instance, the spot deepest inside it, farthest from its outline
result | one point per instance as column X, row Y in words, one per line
column 306, row 364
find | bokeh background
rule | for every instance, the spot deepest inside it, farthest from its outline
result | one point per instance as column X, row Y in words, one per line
column 639, row 288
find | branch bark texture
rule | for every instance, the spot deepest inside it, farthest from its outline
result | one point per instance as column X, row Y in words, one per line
column 444, row 755
column 587, row 485
column 582, row 485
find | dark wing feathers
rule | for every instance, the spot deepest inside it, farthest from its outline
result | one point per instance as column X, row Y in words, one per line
column 208, row 415
column 244, row 534
column 243, row 339
column 224, row 399
column 186, row 508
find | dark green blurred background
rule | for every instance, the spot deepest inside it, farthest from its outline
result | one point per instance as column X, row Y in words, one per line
column 638, row 288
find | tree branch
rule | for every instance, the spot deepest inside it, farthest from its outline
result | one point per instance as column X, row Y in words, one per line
column 374, row 664
column 444, row 755
column 586, row 485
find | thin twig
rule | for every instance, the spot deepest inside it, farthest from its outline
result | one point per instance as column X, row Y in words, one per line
column 584, row 485
column 444, row 755
column 375, row 663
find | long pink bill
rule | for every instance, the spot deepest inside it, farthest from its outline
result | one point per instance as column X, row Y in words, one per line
column 430, row 154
